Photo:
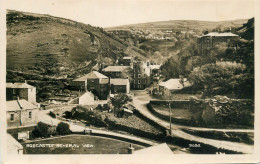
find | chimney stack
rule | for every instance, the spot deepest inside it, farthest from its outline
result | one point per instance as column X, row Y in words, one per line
column 131, row 149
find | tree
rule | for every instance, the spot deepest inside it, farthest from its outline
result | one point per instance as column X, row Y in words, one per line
column 63, row 128
column 218, row 78
column 119, row 100
column 41, row 130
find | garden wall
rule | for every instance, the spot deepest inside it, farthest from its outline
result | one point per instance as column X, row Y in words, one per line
column 185, row 104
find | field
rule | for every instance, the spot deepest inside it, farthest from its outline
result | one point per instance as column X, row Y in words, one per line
column 197, row 26
column 176, row 112
column 94, row 145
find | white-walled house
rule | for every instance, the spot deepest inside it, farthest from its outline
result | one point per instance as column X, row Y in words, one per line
column 86, row 99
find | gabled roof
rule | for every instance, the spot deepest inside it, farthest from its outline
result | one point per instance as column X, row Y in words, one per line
column 16, row 105
column 92, row 75
column 18, row 85
column 119, row 81
column 220, row 34
column 157, row 149
column 115, row 68
column 174, row 84
column 87, row 93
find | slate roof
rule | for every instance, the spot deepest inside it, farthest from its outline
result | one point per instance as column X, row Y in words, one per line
column 16, row 105
column 174, row 84
column 92, row 75
column 119, row 81
column 18, row 85
column 115, row 68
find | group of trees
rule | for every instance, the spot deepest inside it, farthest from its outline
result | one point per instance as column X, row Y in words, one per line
column 225, row 69
column 44, row 130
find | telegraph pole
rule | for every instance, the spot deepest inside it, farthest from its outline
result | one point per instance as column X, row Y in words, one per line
column 170, row 113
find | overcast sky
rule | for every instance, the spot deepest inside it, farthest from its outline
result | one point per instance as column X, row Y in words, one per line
column 107, row 13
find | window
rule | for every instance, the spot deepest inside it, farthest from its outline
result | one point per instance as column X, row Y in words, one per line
column 139, row 75
column 134, row 75
column 30, row 114
column 134, row 81
column 12, row 117
column 139, row 86
column 139, row 81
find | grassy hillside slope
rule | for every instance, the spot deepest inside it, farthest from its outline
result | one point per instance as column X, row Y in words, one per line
column 50, row 45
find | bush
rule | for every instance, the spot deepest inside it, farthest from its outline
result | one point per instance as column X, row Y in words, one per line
column 52, row 114
column 67, row 114
column 63, row 129
column 41, row 130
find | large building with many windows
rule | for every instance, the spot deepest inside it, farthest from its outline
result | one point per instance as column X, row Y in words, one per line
column 212, row 39
column 141, row 75
column 95, row 82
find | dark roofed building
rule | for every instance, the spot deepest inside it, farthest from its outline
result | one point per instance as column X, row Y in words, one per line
column 127, row 61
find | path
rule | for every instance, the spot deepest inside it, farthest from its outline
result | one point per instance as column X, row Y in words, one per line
column 141, row 99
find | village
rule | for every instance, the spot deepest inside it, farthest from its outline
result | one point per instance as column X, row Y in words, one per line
column 129, row 96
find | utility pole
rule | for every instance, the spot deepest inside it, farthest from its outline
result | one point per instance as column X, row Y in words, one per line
column 170, row 113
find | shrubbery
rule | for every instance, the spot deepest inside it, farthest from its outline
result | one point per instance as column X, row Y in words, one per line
column 92, row 117
column 63, row 129
column 41, row 130
column 44, row 130
column 52, row 114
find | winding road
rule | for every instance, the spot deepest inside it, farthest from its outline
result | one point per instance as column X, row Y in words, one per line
column 140, row 101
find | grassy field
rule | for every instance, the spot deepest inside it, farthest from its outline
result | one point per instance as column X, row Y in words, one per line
column 96, row 145
column 176, row 112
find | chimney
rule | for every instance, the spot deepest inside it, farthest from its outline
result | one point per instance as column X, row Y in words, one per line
column 131, row 149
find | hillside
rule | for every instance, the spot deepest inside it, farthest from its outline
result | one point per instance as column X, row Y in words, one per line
column 44, row 44
column 247, row 30
column 197, row 26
